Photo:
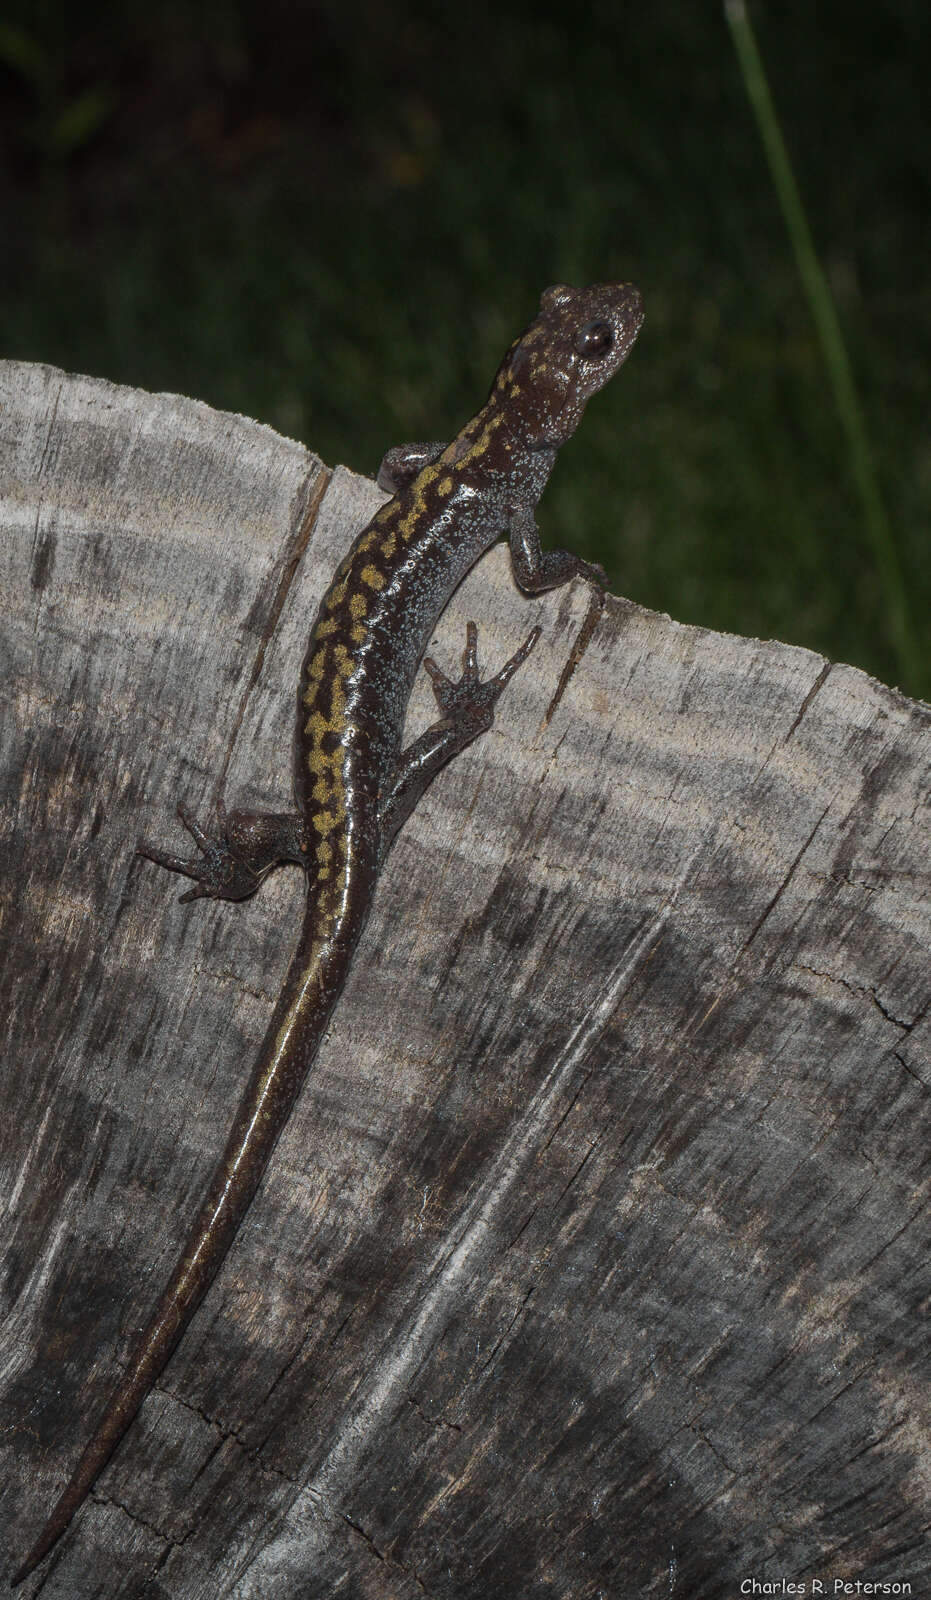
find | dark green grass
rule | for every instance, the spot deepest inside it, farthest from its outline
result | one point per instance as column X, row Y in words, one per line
column 339, row 229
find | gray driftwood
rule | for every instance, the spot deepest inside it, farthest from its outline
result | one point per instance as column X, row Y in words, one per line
column 594, row 1261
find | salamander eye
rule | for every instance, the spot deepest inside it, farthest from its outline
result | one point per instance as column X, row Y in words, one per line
column 595, row 339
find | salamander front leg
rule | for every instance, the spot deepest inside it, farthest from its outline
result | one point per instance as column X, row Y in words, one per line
column 468, row 709
column 536, row 569
column 232, row 864
column 400, row 466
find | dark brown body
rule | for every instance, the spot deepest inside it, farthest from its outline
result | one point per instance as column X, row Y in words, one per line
column 353, row 784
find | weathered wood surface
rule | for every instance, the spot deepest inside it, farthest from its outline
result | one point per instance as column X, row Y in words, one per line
column 594, row 1262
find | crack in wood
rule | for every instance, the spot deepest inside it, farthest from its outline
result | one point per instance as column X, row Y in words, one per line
column 701, row 1434
column 433, row 1422
column 229, row 1435
column 134, row 1516
column 904, row 1027
column 785, row 882
column 583, row 639
column 42, row 552
column 290, row 562
column 911, row 1071
column 583, row 1163
column 388, row 1561
column 816, row 688
column 357, row 1528
column 503, row 1336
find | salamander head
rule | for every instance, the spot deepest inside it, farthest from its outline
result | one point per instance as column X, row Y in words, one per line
column 571, row 349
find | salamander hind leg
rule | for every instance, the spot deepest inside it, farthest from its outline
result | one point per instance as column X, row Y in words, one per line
column 233, row 862
column 467, row 707
column 467, row 703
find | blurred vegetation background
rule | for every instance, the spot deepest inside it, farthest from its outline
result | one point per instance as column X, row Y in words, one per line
column 335, row 217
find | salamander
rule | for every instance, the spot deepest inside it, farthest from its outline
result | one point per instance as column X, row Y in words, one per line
column 355, row 786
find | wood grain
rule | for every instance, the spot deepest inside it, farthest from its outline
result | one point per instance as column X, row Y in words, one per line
column 594, row 1261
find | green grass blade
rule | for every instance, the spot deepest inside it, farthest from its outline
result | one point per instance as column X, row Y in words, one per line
column 909, row 657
